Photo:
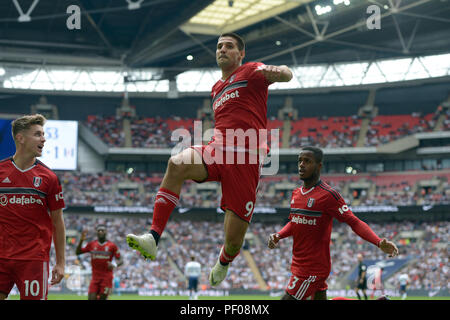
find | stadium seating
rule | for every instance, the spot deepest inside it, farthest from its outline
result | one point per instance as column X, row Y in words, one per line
column 107, row 128
column 386, row 128
column 325, row 132
column 394, row 188
column 428, row 268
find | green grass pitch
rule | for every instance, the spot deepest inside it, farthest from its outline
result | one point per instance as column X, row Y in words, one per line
column 231, row 297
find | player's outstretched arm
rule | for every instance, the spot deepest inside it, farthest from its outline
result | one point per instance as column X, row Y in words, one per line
column 275, row 73
column 388, row 247
column 274, row 238
column 364, row 231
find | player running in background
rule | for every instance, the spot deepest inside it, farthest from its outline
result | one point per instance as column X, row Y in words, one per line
column 313, row 207
column 102, row 253
column 403, row 280
column 31, row 203
column 361, row 282
column 239, row 101
column 192, row 271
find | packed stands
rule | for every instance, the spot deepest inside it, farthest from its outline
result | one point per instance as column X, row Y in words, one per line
column 386, row 128
column 107, row 128
column 325, row 132
column 398, row 188
column 428, row 267
column 322, row 131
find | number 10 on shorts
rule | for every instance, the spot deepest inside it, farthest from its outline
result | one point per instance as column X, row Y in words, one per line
column 31, row 288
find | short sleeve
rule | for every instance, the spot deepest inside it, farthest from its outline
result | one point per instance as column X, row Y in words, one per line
column 87, row 248
column 254, row 74
column 55, row 195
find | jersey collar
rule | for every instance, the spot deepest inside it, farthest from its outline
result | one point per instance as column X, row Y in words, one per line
column 34, row 164
column 311, row 189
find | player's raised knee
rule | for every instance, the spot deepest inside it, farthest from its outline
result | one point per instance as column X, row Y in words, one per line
column 175, row 166
column 185, row 158
column 182, row 164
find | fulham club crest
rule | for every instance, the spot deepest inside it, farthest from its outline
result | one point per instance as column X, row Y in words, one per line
column 310, row 202
column 37, row 181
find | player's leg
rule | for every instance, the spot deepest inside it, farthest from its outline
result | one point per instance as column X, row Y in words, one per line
column 239, row 187
column 364, row 293
column 32, row 279
column 234, row 228
column 403, row 292
column 190, row 287
column 104, row 295
column 357, row 292
column 105, row 289
column 93, row 289
column 187, row 165
column 195, row 289
column 287, row 296
column 320, row 295
column 6, row 281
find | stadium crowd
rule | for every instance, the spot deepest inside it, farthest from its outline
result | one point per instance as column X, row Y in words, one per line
column 324, row 132
column 90, row 189
column 384, row 129
column 427, row 267
column 107, row 128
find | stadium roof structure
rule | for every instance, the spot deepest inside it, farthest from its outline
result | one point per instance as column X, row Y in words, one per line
column 168, row 46
column 174, row 35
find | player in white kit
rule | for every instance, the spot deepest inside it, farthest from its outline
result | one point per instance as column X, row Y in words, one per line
column 403, row 279
column 192, row 271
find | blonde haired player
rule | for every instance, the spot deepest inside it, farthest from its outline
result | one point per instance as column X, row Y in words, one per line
column 31, row 203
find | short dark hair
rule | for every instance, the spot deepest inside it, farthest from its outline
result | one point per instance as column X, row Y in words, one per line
column 318, row 153
column 101, row 226
column 235, row 36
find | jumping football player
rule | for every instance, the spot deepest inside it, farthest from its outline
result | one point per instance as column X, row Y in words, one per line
column 239, row 101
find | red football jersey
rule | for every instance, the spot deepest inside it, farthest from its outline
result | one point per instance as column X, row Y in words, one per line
column 26, row 199
column 101, row 254
column 240, row 101
column 311, row 217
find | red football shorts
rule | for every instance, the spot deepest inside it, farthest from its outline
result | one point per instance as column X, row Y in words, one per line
column 239, row 178
column 101, row 286
column 304, row 288
column 30, row 277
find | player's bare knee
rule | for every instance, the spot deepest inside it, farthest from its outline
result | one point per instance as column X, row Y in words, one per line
column 176, row 168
